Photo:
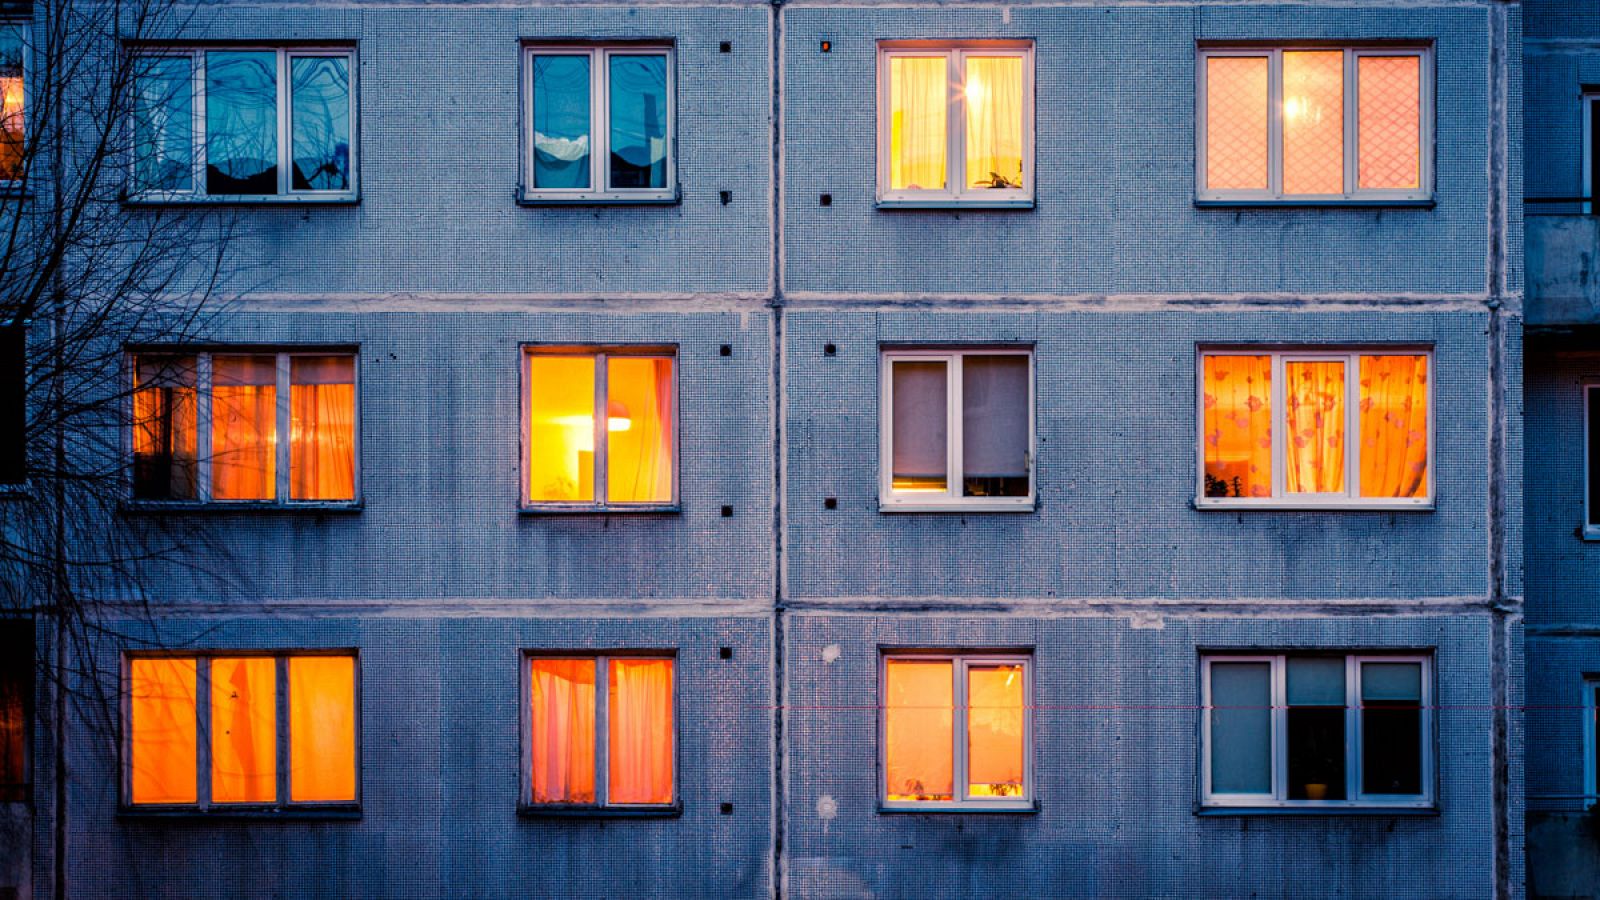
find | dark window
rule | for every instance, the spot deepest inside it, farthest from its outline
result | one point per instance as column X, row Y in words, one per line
column 13, row 406
column 1592, row 398
column 16, row 692
column 1316, row 728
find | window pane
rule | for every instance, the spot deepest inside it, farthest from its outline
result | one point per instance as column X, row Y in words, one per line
column 320, row 107
column 165, row 428
column 1241, row 728
column 162, row 745
column 1389, row 121
column 561, row 121
column 322, row 422
column 993, row 93
column 241, row 122
column 1316, row 725
column 1313, row 122
column 244, row 725
column 994, row 426
column 994, row 731
column 1236, row 123
column 919, row 729
column 1391, row 728
column 16, row 691
column 13, row 404
column 639, row 731
column 562, row 723
column 1394, row 426
column 13, row 115
column 1314, row 445
column 1592, row 400
column 638, row 121
column 244, row 427
column 919, row 431
column 1237, row 398
column 322, row 728
column 560, row 428
column 164, row 123
column 1315, row 681
column 639, row 432
column 919, row 102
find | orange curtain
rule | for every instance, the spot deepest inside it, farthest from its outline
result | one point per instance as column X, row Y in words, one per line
column 322, row 437
column 1394, row 426
column 561, row 694
column 162, row 746
column 12, row 126
column 1237, row 397
column 639, row 731
column 639, row 432
column 244, row 427
column 1314, row 449
column 919, row 729
column 244, row 764
column 165, row 428
column 994, row 731
column 322, row 728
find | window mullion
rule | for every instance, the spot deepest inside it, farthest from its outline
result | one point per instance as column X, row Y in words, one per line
column 283, row 119
column 1352, row 142
column 1352, row 727
column 202, row 417
column 1275, row 123
column 197, row 148
column 1352, row 426
column 202, row 709
column 956, row 122
column 955, row 464
column 599, row 120
column 281, row 719
column 1280, row 729
column 602, row 731
column 285, row 427
column 1280, row 422
column 602, row 433
column 958, row 733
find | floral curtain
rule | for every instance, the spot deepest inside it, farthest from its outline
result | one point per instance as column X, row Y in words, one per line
column 1238, row 426
column 1314, row 397
column 244, row 425
column 639, row 731
column 1394, row 426
column 993, row 94
column 322, row 437
column 244, row 764
column 919, row 104
column 561, row 694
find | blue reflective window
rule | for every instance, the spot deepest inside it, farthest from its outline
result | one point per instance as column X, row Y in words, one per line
column 164, row 124
column 319, row 99
column 599, row 123
column 638, row 121
column 561, row 122
column 242, row 122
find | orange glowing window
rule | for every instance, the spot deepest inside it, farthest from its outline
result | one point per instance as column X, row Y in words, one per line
column 16, row 700
column 322, row 729
column 244, row 745
column 162, row 731
column 1236, row 123
column 13, row 99
column 955, row 731
column 601, row 427
column 322, row 428
column 564, row 745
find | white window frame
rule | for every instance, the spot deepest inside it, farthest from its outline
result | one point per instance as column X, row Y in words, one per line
column 960, row 663
column 286, row 191
column 956, row 192
column 599, row 190
column 1352, row 193
column 1590, row 532
column 890, row 500
column 203, row 423
column 1281, row 499
column 1587, row 101
column 1278, row 798
column 1591, row 774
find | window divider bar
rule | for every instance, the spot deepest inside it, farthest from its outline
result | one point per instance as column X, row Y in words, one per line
column 284, row 425
column 599, row 119
column 203, row 724
column 1280, row 728
column 602, row 731
column 958, row 767
column 280, row 699
column 602, row 428
column 203, row 415
column 1278, row 423
column 1352, row 137
column 1275, row 123
column 284, row 181
column 1352, row 727
column 1352, row 426
column 956, row 122
column 953, row 427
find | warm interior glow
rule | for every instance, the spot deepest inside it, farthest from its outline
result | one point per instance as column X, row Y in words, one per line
column 1314, row 401
column 994, row 731
column 919, row 105
column 1394, row 426
column 1313, row 122
column 639, row 731
column 244, row 763
column 639, row 448
column 561, row 743
column 322, row 421
column 1237, row 401
column 560, row 428
column 1389, row 121
column 244, row 427
column 12, row 127
column 1236, row 122
column 165, row 428
column 919, row 729
column 322, row 728
column 162, row 725
column 993, row 95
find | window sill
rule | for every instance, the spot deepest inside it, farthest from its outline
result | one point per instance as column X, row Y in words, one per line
column 154, row 200
column 1015, row 808
column 158, row 507
column 1304, row 202
column 1307, row 809
column 959, row 506
column 530, row 811
column 1585, row 532
column 1212, row 505
column 954, row 203
column 591, row 509
column 597, row 198
column 343, row 813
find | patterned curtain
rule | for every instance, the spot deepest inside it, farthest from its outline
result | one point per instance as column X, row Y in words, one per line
column 1238, row 426
column 1315, row 413
column 1394, row 426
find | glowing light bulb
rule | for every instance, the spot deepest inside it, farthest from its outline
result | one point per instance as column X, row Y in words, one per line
column 618, row 423
column 976, row 91
column 1011, row 676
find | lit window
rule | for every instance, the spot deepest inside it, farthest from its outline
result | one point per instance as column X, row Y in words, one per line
column 206, row 427
column 210, row 731
column 16, row 705
column 13, row 111
column 589, row 747
column 1317, row 730
column 601, row 428
column 955, row 123
column 957, row 429
column 1315, row 428
column 956, row 732
column 13, row 404
column 1314, row 124
column 215, row 123
column 599, row 123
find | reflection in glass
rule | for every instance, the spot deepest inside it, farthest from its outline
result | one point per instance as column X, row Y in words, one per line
column 165, row 428
column 164, row 124
column 320, row 114
column 561, row 121
column 241, row 122
column 638, row 109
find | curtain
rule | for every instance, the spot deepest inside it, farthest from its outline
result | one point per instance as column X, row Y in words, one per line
column 1313, row 122
column 165, row 428
column 919, row 102
column 560, row 428
column 919, row 425
column 322, row 728
column 639, row 732
column 561, row 695
column 322, row 434
column 162, row 746
column 994, row 121
column 1394, row 426
column 244, row 426
column 1236, row 123
column 1314, row 436
column 244, row 764
column 919, row 729
column 994, row 731
column 1237, row 396
column 639, row 437
column 1389, row 121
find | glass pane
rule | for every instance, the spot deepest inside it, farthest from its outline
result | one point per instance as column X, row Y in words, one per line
column 244, row 427
column 162, row 746
column 1316, row 723
column 319, row 104
column 322, row 728
column 994, row 731
column 1236, row 123
column 993, row 93
column 241, row 122
column 1391, row 728
column 1237, row 397
column 16, row 692
column 920, row 431
column 639, row 731
column 1313, row 122
column 164, row 123
column 244, row 728
column 919, row 104
column 1389, row 121
column 560, row 429
column 1316, row 681
column 639, row 432
column 1394, row 426
column 322, row 427
column 919, row 729
column 561, row 121
column 1592, row 401
column 13, row 115
column 562, row 721
column 638, row 121
column 1314, row 445
column 1241, row 728
column 994, row 426
column 165, row 428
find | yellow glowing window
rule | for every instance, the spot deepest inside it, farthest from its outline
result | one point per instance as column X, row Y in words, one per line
column 956, row 731
column 601, row 427
column 565, row 746
column 13, row 102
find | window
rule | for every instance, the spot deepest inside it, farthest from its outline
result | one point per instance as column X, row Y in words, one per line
column 1591, row 146
column 244, row 123
column 955, row 123
column 1317, row 730
column 599, row 123
column 273, row 730
column 206, row 427
column 13, row 405
column 1315, row 123
column 1591, row 460
column 956, row 732
column 589, row 748
column 1315, row 427
column 1591, row 741
column 16, row 707
column 601, row 428
column 957, row 429
column 13, row 98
